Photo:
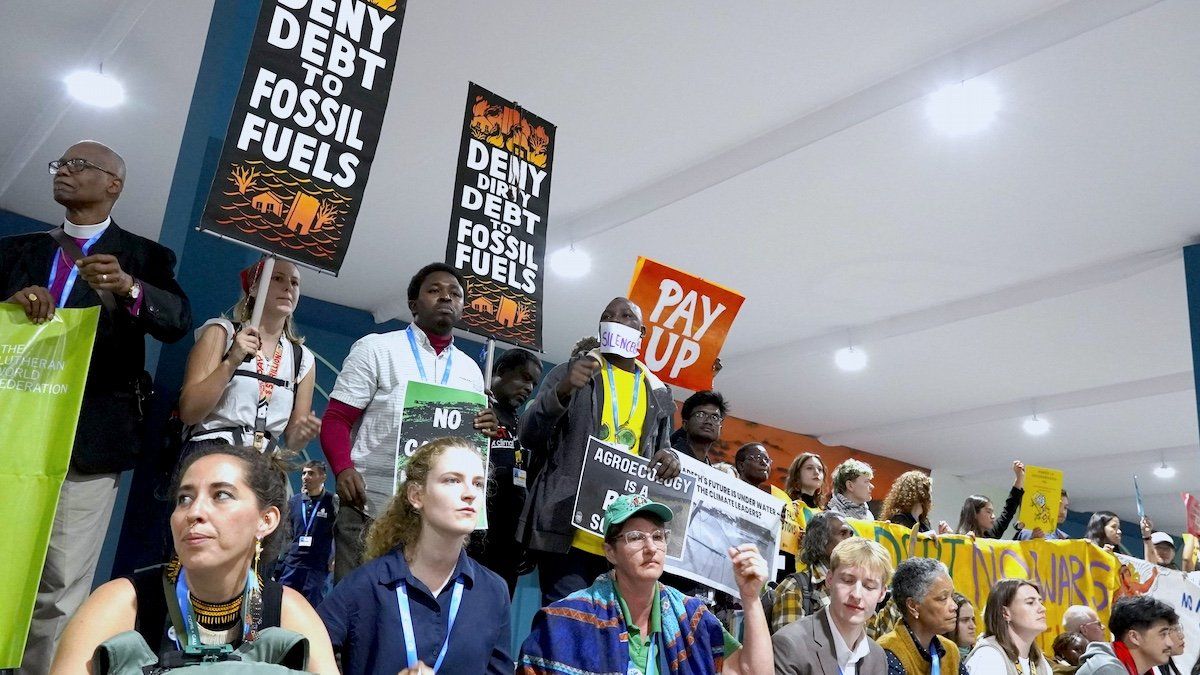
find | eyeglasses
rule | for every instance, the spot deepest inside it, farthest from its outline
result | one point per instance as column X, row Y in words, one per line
column 700, row 415
column 761, row 459
column 638, row 538
column 75, row 164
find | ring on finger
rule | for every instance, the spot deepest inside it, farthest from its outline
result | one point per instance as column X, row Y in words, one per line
column 103, row 277
column 32, row 297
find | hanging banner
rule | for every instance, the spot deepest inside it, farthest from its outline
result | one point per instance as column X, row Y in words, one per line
column 1069, row 571
column 712, row 511
column 1043, row 494
column 432, row 411
column 1178, row 589
column 498, row 220
column 305, row 127
column 43, row 370
column 686, row 318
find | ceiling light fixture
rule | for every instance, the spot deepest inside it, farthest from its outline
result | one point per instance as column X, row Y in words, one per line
column 95, row 88
column 850, row 359
column 1164, row 471
column 570, row 262
column 963, row 108
column 1035, row 426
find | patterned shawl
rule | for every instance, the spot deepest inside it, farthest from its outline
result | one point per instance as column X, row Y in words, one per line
column 585, row 634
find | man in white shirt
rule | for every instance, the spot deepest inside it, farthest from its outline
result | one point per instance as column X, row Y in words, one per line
column 360, row 432
column 834, row 639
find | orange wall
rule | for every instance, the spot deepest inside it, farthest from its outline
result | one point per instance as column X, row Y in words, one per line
column 784, row 446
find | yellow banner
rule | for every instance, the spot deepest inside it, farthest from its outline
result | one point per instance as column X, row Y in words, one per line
column 1069, row 572
column 1043, row 494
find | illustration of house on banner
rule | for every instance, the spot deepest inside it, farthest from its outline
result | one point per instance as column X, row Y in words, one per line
column 484, row 305
column 267, row 202
column 302, row 213
column 508, row 313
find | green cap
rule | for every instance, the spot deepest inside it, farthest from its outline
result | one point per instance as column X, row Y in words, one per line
column 626, row 506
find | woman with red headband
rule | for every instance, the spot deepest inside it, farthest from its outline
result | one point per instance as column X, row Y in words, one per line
column 252, row 385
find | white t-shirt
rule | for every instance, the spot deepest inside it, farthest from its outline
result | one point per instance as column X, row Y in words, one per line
column 238, row 405
column 374, row 378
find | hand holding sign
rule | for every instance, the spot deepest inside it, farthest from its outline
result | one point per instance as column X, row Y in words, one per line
column 687, row 325
column 749, row 569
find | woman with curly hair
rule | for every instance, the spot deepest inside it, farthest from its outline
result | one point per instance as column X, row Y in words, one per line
column 806, row 480
column 909, row 501
column 416, row 562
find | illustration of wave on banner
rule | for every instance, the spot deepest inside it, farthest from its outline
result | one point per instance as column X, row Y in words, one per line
column 503, row 315
column 282, row 208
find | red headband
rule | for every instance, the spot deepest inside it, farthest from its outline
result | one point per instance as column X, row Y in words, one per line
column 250, row 276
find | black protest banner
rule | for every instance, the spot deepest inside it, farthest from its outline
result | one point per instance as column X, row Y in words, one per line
column 609, row 472
column 305, row 127
column 498, row 221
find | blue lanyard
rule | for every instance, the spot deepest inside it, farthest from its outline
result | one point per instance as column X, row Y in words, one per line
column 412, row 343
column 935, row 661
column 58, row 253
column 307, row 519
column 410, row 641
column 612, row 395
column 184, row 598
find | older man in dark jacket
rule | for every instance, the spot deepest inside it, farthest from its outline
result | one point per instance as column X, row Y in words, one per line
column 87, row 262
column 608, row 394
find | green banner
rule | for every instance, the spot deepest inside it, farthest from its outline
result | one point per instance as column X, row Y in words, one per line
column 433, row 411
column 43, row 369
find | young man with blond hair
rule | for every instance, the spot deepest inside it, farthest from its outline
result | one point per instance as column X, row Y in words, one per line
column 834, row 640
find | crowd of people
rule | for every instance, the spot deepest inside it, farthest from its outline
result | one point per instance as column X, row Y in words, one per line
column 414, row 587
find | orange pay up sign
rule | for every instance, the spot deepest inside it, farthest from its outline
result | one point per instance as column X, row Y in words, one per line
column 687, row 319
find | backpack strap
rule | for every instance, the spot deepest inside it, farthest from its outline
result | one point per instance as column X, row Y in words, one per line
column 151, row 604
column 123, row 653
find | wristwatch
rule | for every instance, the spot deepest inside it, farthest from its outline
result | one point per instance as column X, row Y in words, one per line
column 135, row 291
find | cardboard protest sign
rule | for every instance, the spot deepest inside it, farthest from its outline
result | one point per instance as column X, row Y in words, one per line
column 304, row 128
column 686, row 318
column 726, row 511
column 433, row 411
column 790, row 532
column 1043, row 495
column 498, row 220
column 1193, row 513
column 43, row 370
column 609, row 472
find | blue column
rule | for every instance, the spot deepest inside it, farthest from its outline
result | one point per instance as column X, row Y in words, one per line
column 207, row 268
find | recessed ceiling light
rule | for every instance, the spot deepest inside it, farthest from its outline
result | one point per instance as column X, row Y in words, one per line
column 1035, row 426
column 95, row 88
column 570, row 262
column 963, row 107
column 850, row 359
column 1164, row 471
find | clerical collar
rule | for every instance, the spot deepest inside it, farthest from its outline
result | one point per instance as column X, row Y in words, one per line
column 85, row 231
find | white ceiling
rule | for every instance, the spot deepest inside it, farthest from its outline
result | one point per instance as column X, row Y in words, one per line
column 780, row 148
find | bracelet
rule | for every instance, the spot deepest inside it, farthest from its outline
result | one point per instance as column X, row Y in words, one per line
column 1145, row 538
